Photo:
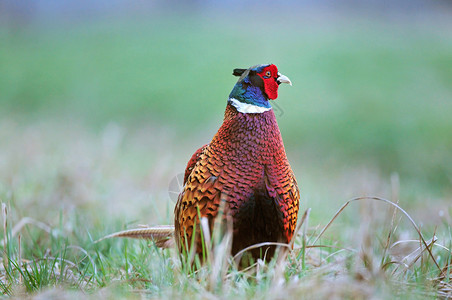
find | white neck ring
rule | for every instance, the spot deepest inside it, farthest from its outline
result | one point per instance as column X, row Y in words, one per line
column 247, row 108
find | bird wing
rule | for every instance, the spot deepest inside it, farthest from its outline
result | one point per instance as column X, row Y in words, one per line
column 211, row 181
column 201, row 194
column 282, row 186
column 192, row 162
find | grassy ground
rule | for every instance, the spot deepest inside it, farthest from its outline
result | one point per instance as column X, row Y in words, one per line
column 98, row 118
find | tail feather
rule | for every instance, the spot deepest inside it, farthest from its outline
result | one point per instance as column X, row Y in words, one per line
column 162, row 235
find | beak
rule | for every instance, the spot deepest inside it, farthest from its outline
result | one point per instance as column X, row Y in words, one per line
column 283, row 79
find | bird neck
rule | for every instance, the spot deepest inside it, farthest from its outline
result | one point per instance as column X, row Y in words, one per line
column 247, row 108
column 247, row 98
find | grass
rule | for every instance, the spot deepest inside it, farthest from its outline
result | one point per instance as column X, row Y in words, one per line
column 98, row 118
column 316, row 270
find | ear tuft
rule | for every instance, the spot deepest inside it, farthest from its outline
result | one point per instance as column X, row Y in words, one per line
column 238, row 72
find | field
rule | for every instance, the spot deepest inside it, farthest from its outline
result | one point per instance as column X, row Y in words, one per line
column 98, row 118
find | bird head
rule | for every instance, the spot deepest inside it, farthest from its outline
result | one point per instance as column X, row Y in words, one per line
column 257, row 85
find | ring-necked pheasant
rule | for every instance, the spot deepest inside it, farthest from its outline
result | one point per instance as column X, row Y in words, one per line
column 244, row 167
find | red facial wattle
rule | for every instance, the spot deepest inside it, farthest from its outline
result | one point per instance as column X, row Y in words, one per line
column 269, row 75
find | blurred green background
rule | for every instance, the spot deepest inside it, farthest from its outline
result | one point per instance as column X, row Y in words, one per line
column 371, row 94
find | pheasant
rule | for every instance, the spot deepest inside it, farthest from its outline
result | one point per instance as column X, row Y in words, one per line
column 243, row 175
column 245, row 166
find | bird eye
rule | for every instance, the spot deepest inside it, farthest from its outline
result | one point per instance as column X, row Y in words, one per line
column 268, row 74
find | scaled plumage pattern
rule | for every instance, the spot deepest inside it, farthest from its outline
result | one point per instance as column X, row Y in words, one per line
column 245, row 165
